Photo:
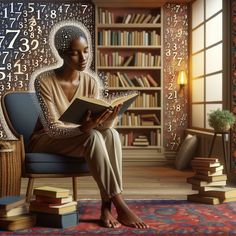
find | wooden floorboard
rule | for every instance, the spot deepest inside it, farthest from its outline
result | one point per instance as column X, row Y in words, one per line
column 140, row 182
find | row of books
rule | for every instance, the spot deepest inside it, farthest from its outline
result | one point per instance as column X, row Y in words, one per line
column 132, row 119
column 133, row 139
column 123, row 80
column 14, row 213
column 128, row 38
column 138, row 18
column 210, row 182
column 107, row 17
column 146, row 100
column 137, row 59
column 52, row 207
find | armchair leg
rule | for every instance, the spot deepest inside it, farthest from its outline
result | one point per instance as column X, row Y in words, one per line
column 75, row 181
column 29, row 189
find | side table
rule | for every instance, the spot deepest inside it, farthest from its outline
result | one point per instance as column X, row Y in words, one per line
column 10, row 168
column 223, row 139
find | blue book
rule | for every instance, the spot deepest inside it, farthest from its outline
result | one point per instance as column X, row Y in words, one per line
column 10, row 202
column 57, row 221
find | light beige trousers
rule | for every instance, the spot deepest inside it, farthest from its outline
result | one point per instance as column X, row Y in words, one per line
column 101, row 149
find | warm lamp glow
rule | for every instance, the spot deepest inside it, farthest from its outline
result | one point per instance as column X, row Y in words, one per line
column 182, row 78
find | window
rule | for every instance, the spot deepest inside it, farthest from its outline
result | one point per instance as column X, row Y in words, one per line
column 206, row 60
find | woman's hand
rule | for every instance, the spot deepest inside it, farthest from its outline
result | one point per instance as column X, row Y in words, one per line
column 114, row 113
column 92, row 122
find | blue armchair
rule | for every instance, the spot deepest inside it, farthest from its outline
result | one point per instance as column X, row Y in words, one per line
column 21, row 114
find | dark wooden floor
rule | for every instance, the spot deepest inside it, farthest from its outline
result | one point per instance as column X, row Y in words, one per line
column 140, row 182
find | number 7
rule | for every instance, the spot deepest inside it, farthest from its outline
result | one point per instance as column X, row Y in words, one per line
column 14, row 38
column 85, row 7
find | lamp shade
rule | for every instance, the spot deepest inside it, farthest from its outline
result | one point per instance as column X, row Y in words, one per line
column 182, row 78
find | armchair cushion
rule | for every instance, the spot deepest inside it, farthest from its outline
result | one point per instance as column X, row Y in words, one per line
column 47, row 163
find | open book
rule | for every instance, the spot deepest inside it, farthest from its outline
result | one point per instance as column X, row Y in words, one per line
column 79, row 107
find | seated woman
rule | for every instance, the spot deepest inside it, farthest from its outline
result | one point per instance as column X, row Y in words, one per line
column 95, row 139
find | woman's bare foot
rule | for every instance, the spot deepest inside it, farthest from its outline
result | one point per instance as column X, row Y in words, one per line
column 125, row 215
column 107, row 218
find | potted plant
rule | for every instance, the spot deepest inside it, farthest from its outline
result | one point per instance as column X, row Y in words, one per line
column 221, row 120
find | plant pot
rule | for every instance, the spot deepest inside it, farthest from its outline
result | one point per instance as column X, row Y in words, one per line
column 223, row 128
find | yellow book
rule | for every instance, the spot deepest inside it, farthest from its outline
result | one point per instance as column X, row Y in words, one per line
column 51, row 192
column 80, row 106
column 222, row 193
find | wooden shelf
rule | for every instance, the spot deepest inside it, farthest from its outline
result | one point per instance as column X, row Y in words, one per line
column 143, row 75
column 138, row 127
column 135, row 88
column 129, row 47
column 141, row 147
column 128, row 68
column 128, row 26
column 145, row 108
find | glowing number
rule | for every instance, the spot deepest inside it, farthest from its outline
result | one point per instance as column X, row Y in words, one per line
column 9, row 77
column 1, row 40
column 168, row 52
column 178, row 108
column 18, row 66
column 5, row 54
column 53, row 14
column 20, row 84
column 2, row 87
column 43, row 7
column 9, row 66
column 170, row 86
column 18, row 14
column 25, row 13
column 177, row 8
column 8, row 86
column 172, row 95
column 179, row 60
column 25, row 44
column 67, row 7
column 34, row 44
column 5, row 13
column 1, row 134
column 12, row 20
column 174, row 47
column 31, row 7
column 2, row 74
column 179, row 33
column 84, row 7
column 14, row 38
column 175, row 54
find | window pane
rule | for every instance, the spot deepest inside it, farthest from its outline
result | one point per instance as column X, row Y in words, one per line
column 198, row 90
column 209, row 108
column 198, row 115
column 198, row 64
column 214, row 59
column 198, row 39
column 214, row 30
column 197, row 13
column 212, row 7
column 214, row 88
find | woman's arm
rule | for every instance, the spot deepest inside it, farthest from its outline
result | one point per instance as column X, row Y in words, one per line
column 50, row 114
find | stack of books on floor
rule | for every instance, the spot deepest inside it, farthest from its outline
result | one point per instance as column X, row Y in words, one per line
column 54, row 207
column 141, row 140
column 14, row 214
column 210, row 182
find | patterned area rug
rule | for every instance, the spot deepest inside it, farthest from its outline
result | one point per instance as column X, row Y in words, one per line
column 165, row 217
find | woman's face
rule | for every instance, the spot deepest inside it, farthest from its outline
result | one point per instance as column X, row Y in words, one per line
column 76, row 57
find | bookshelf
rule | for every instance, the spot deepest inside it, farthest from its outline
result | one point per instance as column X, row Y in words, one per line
column 129, row 55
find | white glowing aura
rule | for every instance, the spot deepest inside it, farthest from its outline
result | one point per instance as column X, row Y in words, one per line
column 59, row 63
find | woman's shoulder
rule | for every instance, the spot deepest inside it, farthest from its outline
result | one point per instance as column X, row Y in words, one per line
column 46, row 77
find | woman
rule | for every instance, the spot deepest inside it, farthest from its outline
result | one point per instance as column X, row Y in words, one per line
column 94, row 138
